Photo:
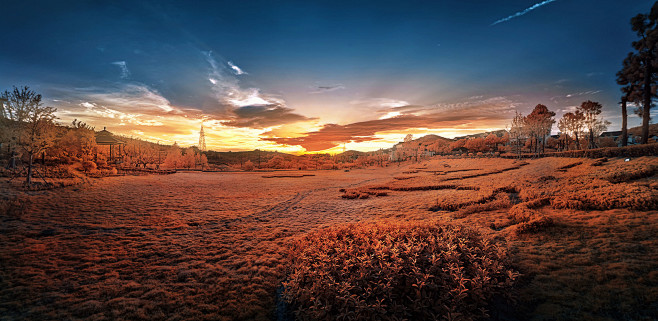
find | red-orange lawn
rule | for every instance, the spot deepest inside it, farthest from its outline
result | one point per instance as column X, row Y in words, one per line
column 211, row 245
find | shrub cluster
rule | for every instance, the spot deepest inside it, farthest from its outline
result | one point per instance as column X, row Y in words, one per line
column 363, row 194
column 534, row 226
column 500, row 201
column 394, row 271
column 634, row 174
column 524, row 212
column 633, row 196
column 527, row 219
column 608, row 152
column 99, row 173
column 481, row 201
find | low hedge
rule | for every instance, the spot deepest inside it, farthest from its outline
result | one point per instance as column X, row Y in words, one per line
column 627, row 151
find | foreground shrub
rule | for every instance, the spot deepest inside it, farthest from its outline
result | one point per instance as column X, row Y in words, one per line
column 389, row 271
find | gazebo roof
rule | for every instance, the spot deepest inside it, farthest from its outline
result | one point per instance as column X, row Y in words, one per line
column 104, row 137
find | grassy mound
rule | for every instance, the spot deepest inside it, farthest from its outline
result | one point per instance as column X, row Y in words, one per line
column 393, row 270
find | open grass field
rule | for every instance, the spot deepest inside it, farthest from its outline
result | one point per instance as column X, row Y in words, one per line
column 583, row 233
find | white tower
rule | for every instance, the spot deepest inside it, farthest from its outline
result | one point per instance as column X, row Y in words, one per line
column 202, row 140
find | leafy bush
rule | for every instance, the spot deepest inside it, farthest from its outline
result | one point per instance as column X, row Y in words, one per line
column 88, row 166
column 248, row 166
column 102, row 173
column 395, row 270
column 60, row 171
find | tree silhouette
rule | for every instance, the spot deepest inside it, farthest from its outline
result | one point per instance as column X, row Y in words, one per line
column 630, row 77
column 645, row 26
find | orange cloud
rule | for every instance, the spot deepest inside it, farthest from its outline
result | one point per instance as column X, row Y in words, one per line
column 485, row 114
column 262, row 116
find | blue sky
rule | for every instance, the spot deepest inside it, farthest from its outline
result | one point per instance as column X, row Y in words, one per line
column 313, row 75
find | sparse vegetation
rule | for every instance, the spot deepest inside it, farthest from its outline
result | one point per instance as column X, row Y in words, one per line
column 171, row 246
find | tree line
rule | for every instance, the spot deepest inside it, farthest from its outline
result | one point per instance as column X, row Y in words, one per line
column 532, row 132
column 29, row 132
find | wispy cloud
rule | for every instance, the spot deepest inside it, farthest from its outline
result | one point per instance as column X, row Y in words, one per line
column 237, row 70
column 520, row 13
column 583, row 93
column 324, row 89
column 226, row 86
column 378, row 103
column 129, row 109
column 246, row 107
column 125, row 73
column 122, row 105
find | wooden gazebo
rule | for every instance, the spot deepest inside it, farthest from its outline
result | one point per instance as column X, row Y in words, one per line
column 105, row 138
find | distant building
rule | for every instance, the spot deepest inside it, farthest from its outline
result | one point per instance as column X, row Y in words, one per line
column 616, row 135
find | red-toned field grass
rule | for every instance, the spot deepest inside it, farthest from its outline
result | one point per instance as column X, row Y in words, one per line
column 582, row 232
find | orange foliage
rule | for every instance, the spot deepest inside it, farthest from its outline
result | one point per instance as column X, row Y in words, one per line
column 394, row 270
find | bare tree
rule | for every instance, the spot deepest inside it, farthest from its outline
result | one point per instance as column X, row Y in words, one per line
column 572, row 124
column 591, row 111
column 517, row 132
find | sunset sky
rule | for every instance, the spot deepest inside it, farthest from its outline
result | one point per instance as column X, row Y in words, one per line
column 312, row 75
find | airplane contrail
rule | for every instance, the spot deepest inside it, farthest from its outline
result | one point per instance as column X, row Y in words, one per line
column 520, row 13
